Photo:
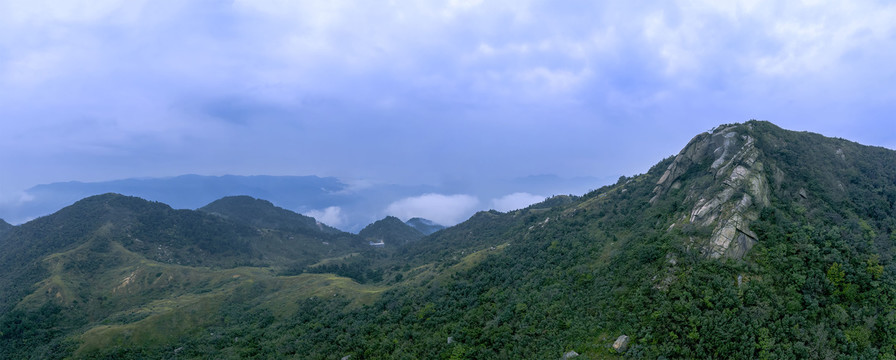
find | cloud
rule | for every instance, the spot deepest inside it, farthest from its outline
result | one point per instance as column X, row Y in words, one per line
column 443, row 209
column 331, row 216
column 98, row 90
column 15, row 198
column 515, row 201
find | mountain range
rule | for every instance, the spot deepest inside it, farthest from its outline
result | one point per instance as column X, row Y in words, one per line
column 752, row 242
column 352, row 204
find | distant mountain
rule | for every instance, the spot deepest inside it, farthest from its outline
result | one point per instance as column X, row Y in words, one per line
column 355, row 204
column 424, row 226
column 184, row 192
column 192, row 191
column 263, row 214
column 157, row 233
column 391, row 231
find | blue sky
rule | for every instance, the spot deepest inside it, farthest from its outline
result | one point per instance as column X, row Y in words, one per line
column 422, row 92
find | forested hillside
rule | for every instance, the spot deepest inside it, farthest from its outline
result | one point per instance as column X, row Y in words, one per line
column 392, row 230
column 752, row 242
column 4, row 227
column 263, row 214
column 424, row 226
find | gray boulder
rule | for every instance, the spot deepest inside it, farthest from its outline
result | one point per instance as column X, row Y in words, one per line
column 621, row 344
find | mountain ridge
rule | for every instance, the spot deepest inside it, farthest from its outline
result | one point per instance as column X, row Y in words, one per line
column 263, row 213
column 390, row 231
column 4, row 227
column 359, row 202
column 424, row 226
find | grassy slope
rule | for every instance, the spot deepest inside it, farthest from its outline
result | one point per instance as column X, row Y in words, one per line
column 128, row 299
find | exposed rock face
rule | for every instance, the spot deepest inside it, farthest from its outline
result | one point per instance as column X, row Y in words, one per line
column 739, row 192
column 621, row 344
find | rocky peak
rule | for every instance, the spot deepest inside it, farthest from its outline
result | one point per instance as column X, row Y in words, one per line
column 733, row 199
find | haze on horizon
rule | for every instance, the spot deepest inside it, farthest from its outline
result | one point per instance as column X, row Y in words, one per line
column 432, row 93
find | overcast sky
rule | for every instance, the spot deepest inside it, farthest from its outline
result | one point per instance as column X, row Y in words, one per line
column 422, row 92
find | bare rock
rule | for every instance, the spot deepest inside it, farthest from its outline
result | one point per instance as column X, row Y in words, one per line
column 741, row 192
column 621, row 344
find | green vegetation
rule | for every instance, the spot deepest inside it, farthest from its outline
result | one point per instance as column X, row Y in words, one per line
column 572, row 273
column 262, row 214
column 424, row 226
column 391, row 231
column 4, row 227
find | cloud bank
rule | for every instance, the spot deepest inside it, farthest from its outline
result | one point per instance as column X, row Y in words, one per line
column 459, row 90
column 443, row 209
column 331, row 216
column 515, row 201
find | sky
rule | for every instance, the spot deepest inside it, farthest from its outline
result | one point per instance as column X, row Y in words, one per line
column 422, row 92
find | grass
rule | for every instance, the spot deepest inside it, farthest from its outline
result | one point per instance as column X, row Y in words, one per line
column 164, row 320
column 130, row 299
column 334, row 259
column 168, row 319
column 430, row 272
column 289, row 288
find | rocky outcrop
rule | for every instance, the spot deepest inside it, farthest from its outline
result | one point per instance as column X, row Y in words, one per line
column 735, row 197
column 621, row 344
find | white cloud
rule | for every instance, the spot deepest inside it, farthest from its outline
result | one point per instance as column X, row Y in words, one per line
column 555, row 81
column 515, row 201
column 47, row 11
column 15, row 198
column 331, row 216
column 458, row 6
column 443, row 209
column 806, row 45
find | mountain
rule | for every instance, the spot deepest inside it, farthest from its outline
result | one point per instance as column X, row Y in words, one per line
column 356, row 202
column 752, row 242
column 107, row 262
column 186, row 191
column 424, row 226
column 263, row 214
column 182, row 192
column 4, row 227
column 151, row 231
column 307, row 240
column 391, row 231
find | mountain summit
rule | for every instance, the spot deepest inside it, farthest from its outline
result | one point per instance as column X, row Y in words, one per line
column 263, row 214
column 390, row 231
column 726, row 158
column 424, row 226
column 729, row 175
